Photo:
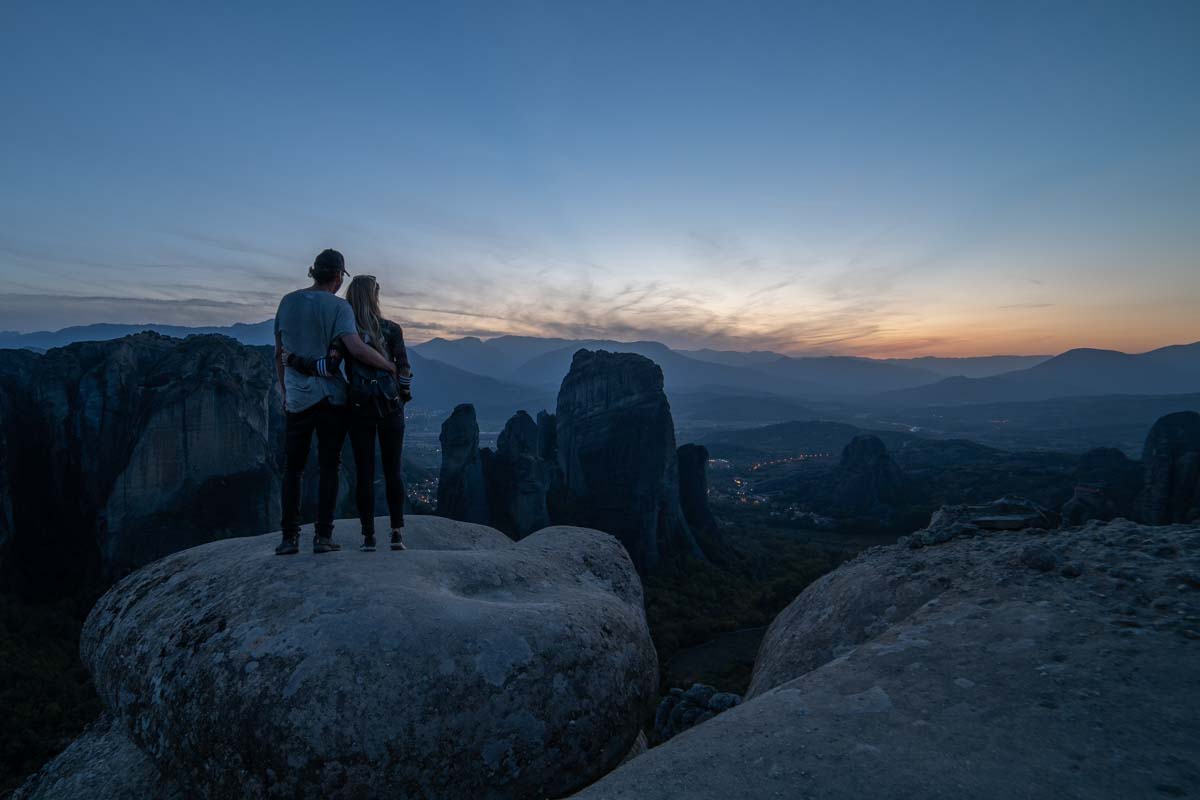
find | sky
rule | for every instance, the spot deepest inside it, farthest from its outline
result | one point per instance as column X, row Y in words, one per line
column 881, row 179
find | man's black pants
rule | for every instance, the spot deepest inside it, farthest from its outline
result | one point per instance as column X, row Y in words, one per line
column 390, row 432
column 329, row 422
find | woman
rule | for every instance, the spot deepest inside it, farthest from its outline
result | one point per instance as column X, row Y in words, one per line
column 377, row 407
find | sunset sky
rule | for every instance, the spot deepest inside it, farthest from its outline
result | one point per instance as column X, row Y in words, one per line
column 897, row 178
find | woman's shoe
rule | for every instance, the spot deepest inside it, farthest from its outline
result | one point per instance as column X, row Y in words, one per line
column 397, row 540
column 323, row 544
column 368, row 545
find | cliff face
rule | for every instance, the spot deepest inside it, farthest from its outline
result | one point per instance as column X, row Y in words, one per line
column 616, row 450
column 462, row 493
column 115, row 453
column 693, row 489
column 868, row 481
column 518, row 478
column 606, row 459
column 135, row 448
column 1171, row 458
column 1106, row 486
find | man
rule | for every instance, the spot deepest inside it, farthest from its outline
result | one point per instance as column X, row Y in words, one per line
column 307, row 323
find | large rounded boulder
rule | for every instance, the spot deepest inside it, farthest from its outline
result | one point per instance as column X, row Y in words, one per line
column 1020, row 664
column 466, row 666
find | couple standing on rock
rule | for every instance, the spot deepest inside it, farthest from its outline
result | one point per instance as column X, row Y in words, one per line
column 342, row 369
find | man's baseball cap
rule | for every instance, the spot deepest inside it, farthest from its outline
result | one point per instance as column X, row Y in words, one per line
column 329, row 262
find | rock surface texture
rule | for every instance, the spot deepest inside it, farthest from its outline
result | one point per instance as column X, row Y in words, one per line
column 616, row 449
column 1005, row 514
column 114, row 438
column 467, row 666
column 1171, row 459
column 683, row 709
column 966, row 669
column 462, row 490
column 115, row 453
column 102, row 764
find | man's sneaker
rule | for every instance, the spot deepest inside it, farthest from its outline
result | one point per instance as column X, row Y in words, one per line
column 323, row 544
column 368, row 545
column 397, row 540
column 289, row 546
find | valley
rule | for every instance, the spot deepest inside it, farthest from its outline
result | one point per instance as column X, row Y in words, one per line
column 795, row 484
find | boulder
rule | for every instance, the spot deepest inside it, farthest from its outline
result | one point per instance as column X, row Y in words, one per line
column 462, row 490
column 467, row 666
column 1171, row 458
column 102, row 763
column 1005, row 514
column 683, row 709
column 616, row 449
column 983, row 675
column 1106, row 485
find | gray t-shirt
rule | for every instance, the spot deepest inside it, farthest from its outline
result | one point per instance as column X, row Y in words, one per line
column 308, row 322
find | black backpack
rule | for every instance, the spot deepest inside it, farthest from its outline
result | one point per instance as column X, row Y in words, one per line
column 374, row 393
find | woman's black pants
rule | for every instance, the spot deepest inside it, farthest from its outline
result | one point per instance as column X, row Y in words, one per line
column 390, row 432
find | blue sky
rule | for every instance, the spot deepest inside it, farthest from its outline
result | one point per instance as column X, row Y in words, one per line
column 877, row 178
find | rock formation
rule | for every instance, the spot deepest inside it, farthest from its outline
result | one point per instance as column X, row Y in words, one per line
column 683, row 709
column 963, row 521
column 134, row 448
column 693, row 489
column 968, row 669
column 547, row 432
column 1171, row 458
column 616, row 450
column 468, row 666
column 606, row 459
column 462, row 491
column 1106, row 486
column 867, row 482
column 103, row 762
column 518, row 478
column 7, row 523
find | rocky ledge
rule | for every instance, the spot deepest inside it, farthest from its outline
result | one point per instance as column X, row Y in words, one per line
column 1033, row 664
column 467, row 666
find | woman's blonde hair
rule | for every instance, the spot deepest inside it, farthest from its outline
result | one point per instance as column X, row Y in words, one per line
column 363, row 297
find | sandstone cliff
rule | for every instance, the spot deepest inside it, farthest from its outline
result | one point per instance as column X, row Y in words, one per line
column 616, row 449
column 518, row 478
column 867, row 482
column 132, row 449
column 606, row 459
column 462, row 491
column 115, row 453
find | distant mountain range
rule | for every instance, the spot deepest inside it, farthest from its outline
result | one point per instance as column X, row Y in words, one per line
column 523, row 369
column 534, row 361
column 1080, row 372
column 254, row 334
